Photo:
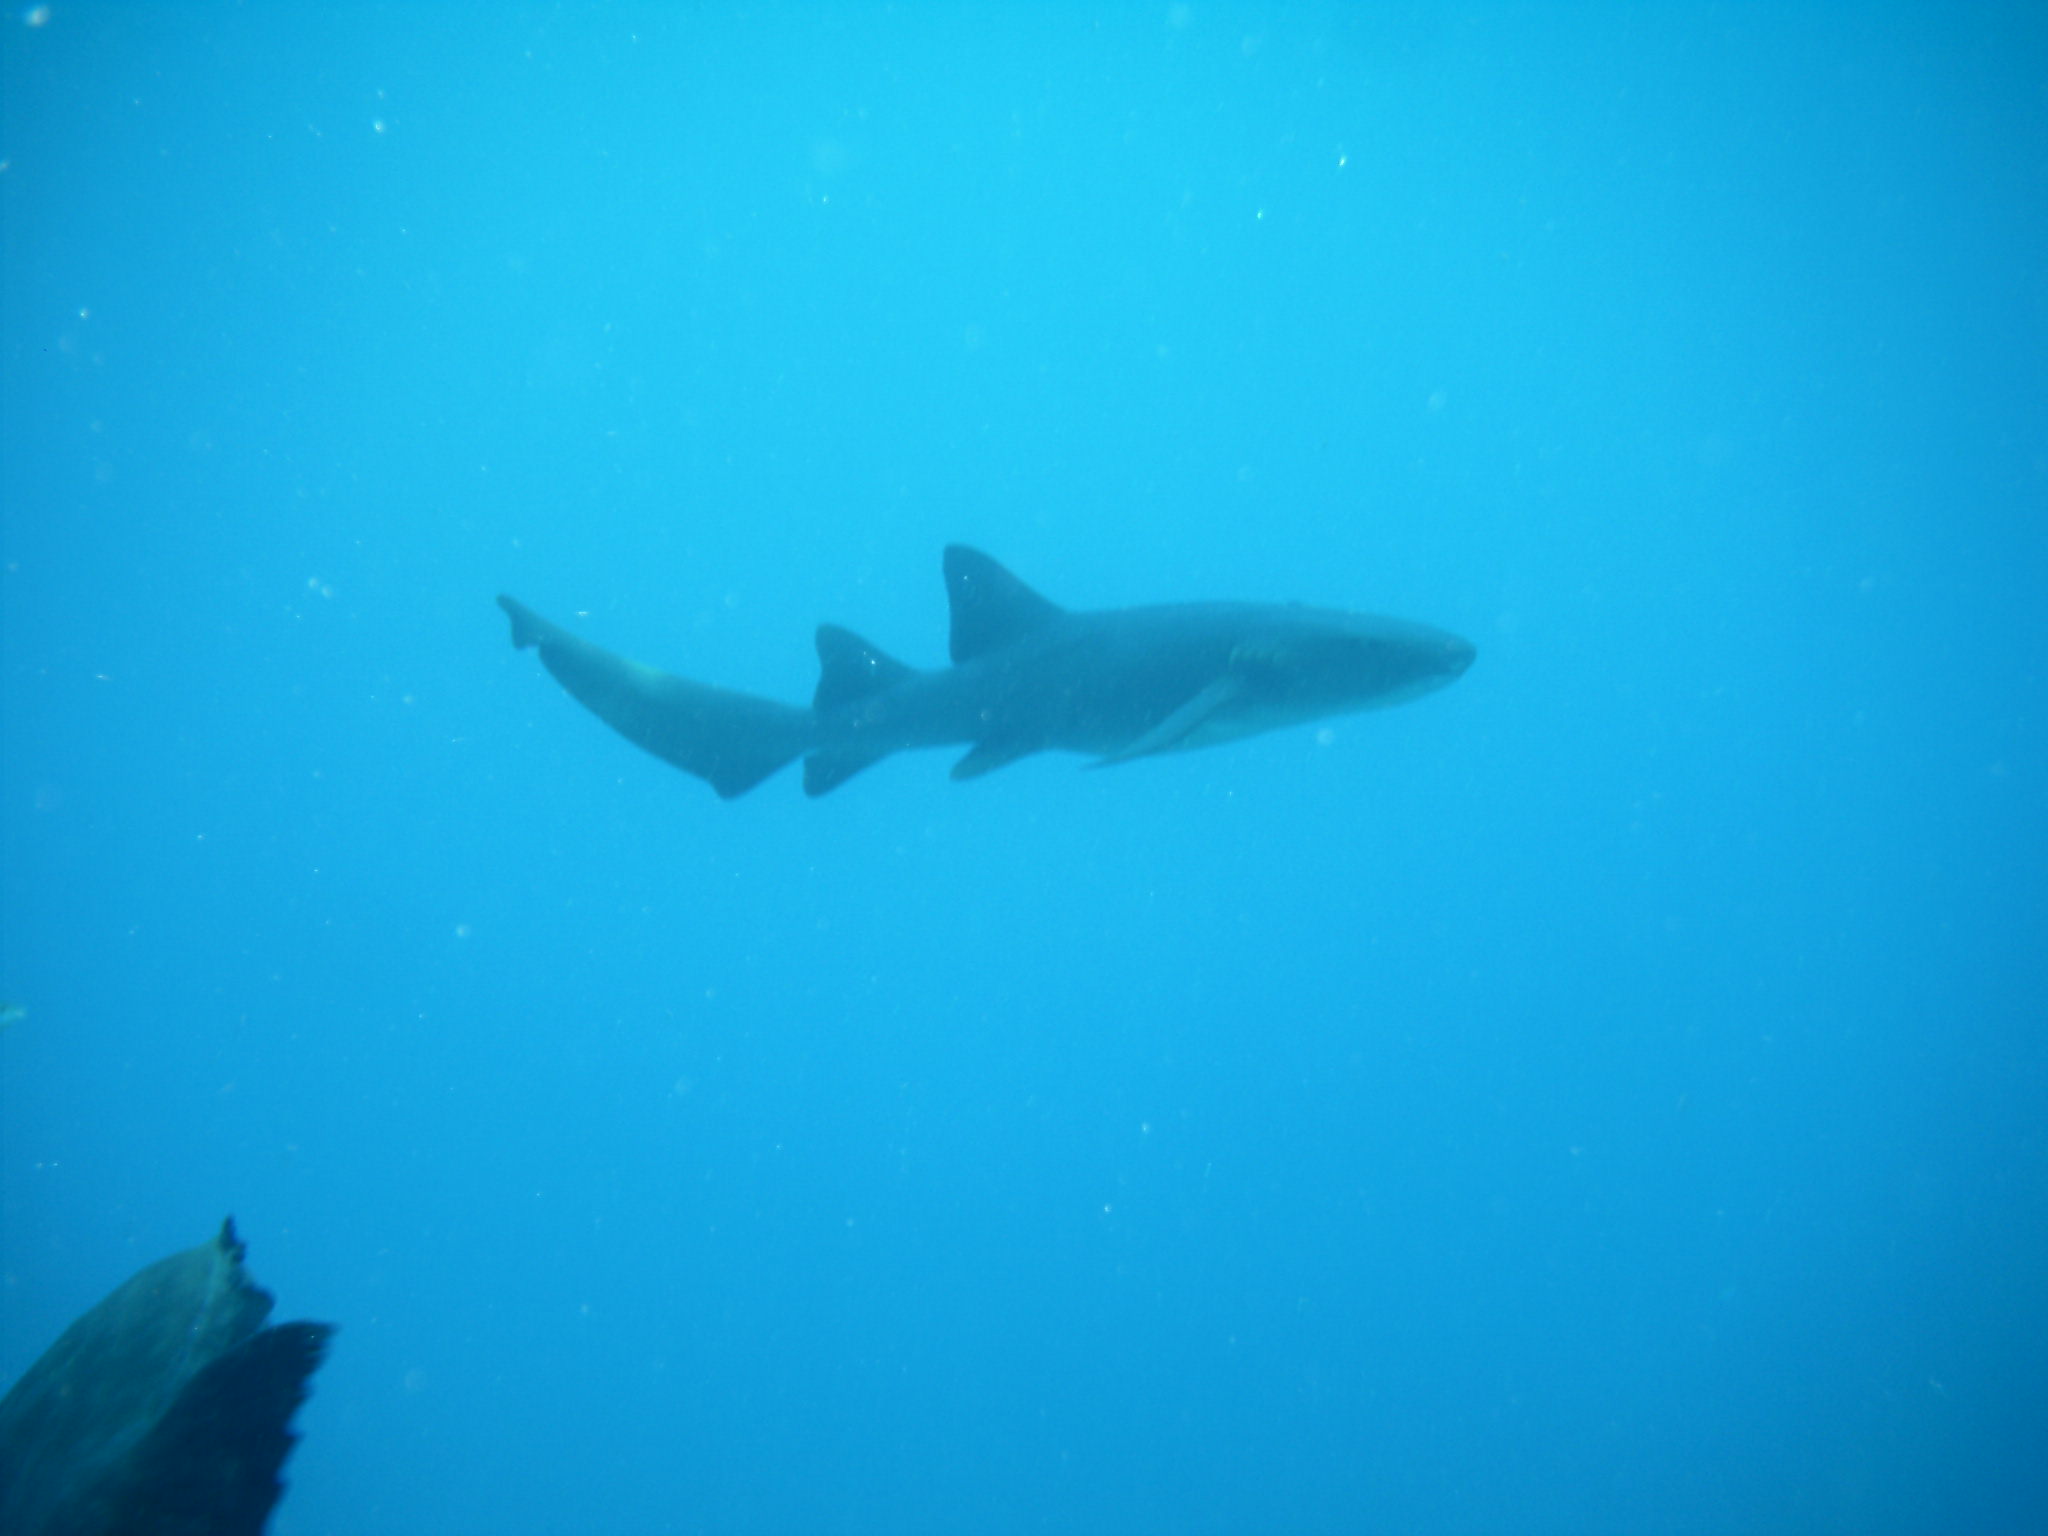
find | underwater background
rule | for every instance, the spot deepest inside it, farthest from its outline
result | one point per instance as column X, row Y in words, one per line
column 1608, row 1095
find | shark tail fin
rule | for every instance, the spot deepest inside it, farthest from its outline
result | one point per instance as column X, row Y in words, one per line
column 850, row 670
column 757, row 739
column 730, row 740
column 528, row 627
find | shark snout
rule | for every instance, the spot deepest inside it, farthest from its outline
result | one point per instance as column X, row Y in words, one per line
column 1458, row 656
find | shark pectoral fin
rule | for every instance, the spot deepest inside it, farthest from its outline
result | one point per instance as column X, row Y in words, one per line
column 988, row 756
column 1177, row 727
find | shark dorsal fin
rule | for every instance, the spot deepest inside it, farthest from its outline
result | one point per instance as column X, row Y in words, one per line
column 991, row 608
column 849, row 668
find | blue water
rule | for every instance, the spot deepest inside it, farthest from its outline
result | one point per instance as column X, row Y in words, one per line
column 1607, row 1095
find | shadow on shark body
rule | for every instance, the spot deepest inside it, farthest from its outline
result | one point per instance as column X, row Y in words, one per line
column 1027, row 676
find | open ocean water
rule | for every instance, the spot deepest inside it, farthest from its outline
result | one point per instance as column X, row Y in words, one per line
column 1608, row 1095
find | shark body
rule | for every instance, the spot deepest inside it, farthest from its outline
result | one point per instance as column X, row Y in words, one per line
column 1027, row 676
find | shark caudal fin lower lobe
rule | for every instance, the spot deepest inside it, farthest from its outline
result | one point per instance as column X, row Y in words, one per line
column 737, row 740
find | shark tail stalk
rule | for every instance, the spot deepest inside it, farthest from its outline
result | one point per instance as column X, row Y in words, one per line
column 730, row 740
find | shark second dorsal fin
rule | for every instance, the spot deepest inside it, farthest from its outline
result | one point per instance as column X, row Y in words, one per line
column 850, row 669
column 991, row 608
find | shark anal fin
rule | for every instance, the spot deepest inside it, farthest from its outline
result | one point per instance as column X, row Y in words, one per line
column 988, row 756
column 1177, row 727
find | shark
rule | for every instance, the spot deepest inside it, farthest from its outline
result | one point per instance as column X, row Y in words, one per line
column 1026, row 676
